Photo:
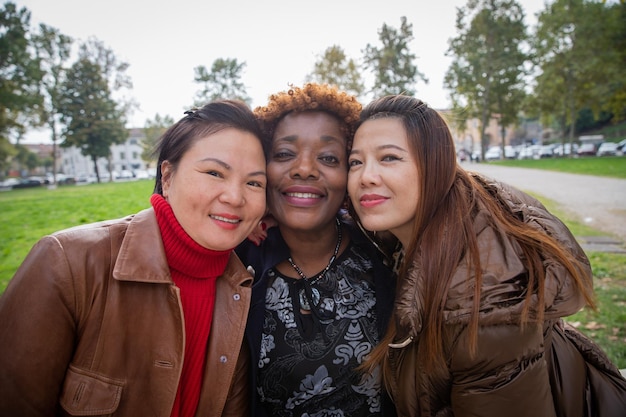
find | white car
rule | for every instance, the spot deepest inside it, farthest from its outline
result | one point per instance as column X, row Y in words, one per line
column 607, row 149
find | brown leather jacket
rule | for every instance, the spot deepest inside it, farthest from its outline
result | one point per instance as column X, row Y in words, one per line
column 91, row 324
column 509, row 375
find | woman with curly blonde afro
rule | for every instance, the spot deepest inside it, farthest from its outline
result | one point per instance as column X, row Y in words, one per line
column 320, row 299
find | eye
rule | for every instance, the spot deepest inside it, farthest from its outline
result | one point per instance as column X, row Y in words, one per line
column 390, row 158
column 282, row 155
column 215, row 173
column 329, row 159
column 257, row 184
column 354, row 163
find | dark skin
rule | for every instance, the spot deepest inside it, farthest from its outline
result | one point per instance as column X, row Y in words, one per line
column 307, row 178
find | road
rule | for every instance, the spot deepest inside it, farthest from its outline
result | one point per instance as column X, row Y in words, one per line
column 599, row 202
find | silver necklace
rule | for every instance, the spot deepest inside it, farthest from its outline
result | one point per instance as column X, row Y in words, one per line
column 305, row 303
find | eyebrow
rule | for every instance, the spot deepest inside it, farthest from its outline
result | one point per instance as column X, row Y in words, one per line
column 230, row 168
column 325, row 138
column 383, row 147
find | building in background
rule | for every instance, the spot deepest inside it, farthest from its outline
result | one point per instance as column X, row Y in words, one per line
column 124, row 161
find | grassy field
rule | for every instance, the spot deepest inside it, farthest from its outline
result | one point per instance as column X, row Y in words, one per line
column 606, row 166
column 27, row 215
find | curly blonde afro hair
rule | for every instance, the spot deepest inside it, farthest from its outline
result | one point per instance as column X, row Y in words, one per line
column 312, row 96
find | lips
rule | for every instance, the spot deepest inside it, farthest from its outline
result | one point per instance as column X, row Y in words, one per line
column 226, row 218
column 303, row 196
column 372, row 200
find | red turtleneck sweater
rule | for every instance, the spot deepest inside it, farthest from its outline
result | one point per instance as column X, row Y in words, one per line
column 194, row 270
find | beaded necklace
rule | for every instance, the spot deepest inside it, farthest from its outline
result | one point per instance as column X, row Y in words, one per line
column 305, row 302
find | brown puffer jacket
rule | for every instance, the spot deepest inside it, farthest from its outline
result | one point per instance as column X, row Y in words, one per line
column 510, row 374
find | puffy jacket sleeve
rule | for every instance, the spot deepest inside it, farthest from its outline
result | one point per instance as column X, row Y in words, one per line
column 37, row 331
column 563, row 298
column 507, row 376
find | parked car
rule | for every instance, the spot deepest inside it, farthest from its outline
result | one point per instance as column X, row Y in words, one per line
column 528, row 152
column 29, row 182
column 546, row 151
column 622, row 146
column 560, row 150
column 587, row 149
column 494, row 152
column 8, row 183
column 142, row 174
column 607, row 149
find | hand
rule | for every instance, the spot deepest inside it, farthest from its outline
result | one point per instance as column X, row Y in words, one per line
column 259, row 234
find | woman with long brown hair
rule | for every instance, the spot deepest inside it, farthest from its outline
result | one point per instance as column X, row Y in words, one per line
column 487, row 275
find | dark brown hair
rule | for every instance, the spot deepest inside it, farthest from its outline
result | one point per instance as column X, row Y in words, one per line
column 199, row 123
column 443, row 233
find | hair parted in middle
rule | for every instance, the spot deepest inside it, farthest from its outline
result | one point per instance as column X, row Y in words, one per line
column 310, row 97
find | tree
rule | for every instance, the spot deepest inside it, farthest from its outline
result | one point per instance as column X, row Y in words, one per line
column 53, row 50
column 19, row 74
column 224, row 81
column 574, row 57
column 25, row 158
column 334, row 68
column 93, row 121
column 7, row 151
column 113, row 71
column 392, row 64
column 615, row 23
column 486, row 75
column 153, row 130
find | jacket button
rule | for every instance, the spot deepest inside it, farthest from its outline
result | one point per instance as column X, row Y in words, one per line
column 223, row 359
column 236, row 297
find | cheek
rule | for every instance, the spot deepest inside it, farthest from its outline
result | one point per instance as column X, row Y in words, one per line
column 338, row 180
column 258, row 205
column 274, row 174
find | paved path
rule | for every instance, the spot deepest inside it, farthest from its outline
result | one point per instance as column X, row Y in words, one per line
column 599, row 202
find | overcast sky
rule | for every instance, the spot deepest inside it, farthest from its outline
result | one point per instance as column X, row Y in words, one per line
column 280, row 40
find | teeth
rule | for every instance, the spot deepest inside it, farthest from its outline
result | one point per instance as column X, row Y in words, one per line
column 224, row 219
column 303, row 195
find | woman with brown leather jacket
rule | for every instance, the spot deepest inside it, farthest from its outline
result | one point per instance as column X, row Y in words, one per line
column 145, row 315
column 486, row 277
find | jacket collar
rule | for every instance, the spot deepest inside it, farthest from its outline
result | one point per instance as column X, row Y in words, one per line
column 142, row 256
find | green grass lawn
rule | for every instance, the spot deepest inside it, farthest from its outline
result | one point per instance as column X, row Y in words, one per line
column 606, row 325
column 28, row 214
column 606, row 166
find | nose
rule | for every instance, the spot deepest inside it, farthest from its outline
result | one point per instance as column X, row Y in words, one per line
column 305, row 166
column 232, row 195
column 370, row 174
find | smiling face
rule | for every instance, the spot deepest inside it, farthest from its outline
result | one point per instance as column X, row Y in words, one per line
column 307, row 172
column 383, row 178
column 217, row 191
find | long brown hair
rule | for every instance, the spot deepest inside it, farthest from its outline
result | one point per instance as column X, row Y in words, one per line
column 443, row 232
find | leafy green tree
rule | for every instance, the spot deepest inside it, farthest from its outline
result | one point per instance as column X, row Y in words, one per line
column 224, row 81
column 93, row 121
column 113, row 71
column 615, row 22
column 576, row 60
column 53, row 50
column 26, row 158
column 7, row 152
column 392, row 63
column 153, row 130
column 486, row 77
column 334, row 68
column 19, row 74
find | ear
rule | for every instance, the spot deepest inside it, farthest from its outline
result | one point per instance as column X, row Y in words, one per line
column 167, row 170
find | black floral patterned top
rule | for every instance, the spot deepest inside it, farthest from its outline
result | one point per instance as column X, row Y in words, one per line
column 307, row 361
